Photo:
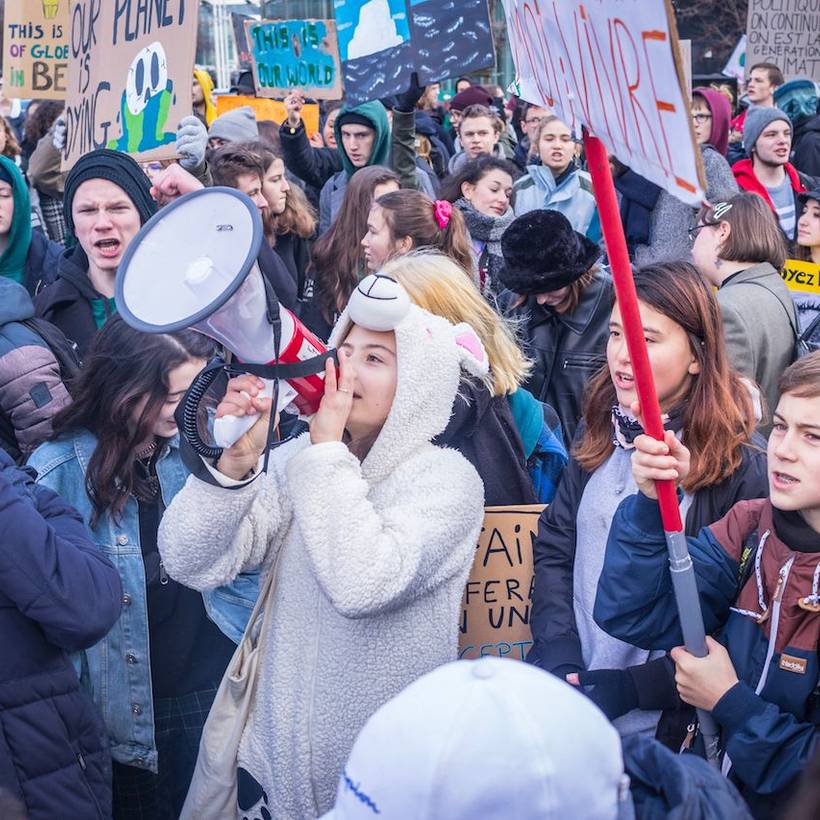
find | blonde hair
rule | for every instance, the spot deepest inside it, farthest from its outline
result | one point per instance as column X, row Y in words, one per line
column 437, row 284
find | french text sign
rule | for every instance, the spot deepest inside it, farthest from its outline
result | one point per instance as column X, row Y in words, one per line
column 289, row 54
column 786, row 33
column 382, row 42
column 495, row 611
column 35, row 49
column 129, row 76
column 801, row 277
column 612, row 66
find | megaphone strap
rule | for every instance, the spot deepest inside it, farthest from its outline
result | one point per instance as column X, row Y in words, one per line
column 295, row 370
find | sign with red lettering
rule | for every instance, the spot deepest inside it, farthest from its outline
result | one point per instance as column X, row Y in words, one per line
column 614, row 67
column 495, row 609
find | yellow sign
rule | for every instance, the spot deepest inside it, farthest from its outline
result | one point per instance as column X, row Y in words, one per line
column 270, row 110
column 495, row 611
column 801, row 277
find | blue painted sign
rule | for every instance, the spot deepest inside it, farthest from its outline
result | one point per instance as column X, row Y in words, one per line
column 289, row 54
column 382, row 42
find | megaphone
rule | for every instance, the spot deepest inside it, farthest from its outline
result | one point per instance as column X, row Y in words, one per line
column 194, row 265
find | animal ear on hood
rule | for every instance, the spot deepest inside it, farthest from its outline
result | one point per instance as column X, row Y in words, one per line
column 472, row 355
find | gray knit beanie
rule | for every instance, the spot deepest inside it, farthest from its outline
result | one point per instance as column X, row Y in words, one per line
column 758, row 119
column 238, row 125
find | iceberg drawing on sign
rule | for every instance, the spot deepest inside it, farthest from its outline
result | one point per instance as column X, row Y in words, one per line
column 377, row 28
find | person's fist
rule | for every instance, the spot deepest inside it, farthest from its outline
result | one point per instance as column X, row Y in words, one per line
column 654, row 460
column 702, row 682
column 293, row 106
column 172, row 183
column 329, row 422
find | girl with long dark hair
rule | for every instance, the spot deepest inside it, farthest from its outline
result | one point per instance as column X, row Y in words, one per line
column 115, row 458
column 337, row 260
column 708, row 405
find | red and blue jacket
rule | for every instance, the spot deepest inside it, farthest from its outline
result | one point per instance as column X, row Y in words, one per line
column 768, row 619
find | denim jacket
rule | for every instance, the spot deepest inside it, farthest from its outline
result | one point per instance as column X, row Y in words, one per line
column 117, row 670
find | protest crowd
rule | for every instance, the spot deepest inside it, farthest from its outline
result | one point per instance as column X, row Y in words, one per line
column 271, row 629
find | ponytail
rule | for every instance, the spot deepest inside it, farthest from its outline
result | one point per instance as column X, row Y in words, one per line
column 428, row 224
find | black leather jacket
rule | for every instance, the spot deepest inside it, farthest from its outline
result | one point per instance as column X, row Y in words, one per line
column 567, row 349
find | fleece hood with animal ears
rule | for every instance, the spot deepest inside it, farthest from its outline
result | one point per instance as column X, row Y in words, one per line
column 430, row 356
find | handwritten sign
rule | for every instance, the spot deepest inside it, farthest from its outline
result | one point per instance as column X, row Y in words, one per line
column 129, row 77
column 495, row 611
column 786, row 33
column 612, row 66
column 270, row 110
column 801, row 277
column 35, row 49
column 382, row 42
column 288, row 54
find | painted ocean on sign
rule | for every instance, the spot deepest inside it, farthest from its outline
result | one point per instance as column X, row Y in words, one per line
column 382, row 42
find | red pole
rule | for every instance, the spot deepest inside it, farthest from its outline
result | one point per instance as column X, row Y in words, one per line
column 598, row 163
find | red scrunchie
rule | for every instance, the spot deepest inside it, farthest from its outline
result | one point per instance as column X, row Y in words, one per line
column 442, row 211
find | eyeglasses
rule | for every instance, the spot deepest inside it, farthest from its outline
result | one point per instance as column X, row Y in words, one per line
column 701, row 118
column 694, row 231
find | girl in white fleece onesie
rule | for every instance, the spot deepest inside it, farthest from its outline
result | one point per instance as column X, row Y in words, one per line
column 373, row 551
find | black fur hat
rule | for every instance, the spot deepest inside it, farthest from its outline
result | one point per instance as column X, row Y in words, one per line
column 543, row 253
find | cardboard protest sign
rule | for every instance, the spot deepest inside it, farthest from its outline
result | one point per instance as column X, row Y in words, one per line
column 129, row 79
column 786, row 33
column 288, row 54
column 382, row 42
column 801, row 277
column 35, row 49
column 495, row 612
column 613, row 66
column 270, row 110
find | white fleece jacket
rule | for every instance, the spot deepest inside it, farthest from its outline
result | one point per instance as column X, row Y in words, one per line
column 373, row 558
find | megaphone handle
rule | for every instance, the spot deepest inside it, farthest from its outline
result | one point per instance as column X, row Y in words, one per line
column 229, row 429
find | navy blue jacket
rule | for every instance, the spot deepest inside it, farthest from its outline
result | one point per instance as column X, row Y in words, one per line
column 768, row 720
column 58, row 594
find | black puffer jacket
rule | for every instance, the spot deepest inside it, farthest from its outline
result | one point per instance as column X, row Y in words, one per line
column 58, row 594
column 567, row 349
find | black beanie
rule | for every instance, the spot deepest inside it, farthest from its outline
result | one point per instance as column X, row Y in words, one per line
column 542, row 253
column 354, row 118
column 116, row 167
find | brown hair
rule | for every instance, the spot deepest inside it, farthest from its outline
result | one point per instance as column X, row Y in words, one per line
column 473, row 112
column 576, row 291
column 337, row 260
column 232, row 161
column 802, row 378
column 755, row 235
column 548, row 120
column 12, row 149
column 299, row 216
column 411, row 213
column 718, row 414
column 803, row 252
column 775, row 74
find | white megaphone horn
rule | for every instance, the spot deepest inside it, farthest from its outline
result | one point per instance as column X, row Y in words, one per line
column 194, row 265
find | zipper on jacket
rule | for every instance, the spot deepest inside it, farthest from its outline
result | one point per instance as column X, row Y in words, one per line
column 163, row 575
column 777, row 598
column 81, row 761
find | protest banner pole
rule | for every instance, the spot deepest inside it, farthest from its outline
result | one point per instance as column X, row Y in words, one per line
column 680, row 562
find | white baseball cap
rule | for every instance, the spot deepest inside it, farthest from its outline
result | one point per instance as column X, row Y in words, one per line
column 485, row 739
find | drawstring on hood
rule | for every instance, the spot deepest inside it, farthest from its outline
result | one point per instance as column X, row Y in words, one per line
column 374, row 114
column 18, row 239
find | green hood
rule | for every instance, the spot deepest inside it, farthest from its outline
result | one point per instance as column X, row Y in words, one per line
column 13, row 260
column 375, row 113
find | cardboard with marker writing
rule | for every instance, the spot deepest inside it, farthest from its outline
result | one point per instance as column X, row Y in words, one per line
column 291, row 54
column 35, row 49
column 786, row 33
column 613, row 66
column 129, row 76
column 495, row 613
